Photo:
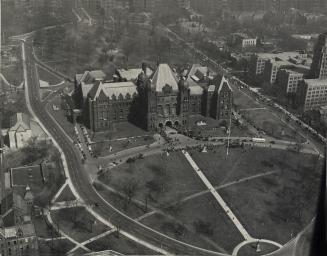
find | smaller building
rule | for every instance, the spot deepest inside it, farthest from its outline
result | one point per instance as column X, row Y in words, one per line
column 312, row 94
column 270, row 71
column 288, row 80
column 243, row 40
column 20, row 131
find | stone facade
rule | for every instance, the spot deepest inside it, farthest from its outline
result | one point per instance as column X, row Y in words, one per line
column 154, row 100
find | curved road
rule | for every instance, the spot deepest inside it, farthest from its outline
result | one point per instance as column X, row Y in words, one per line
column 81, row 180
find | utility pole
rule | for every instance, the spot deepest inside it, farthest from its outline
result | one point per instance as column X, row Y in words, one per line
column 229, row 132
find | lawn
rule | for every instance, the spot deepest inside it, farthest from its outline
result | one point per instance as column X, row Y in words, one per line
column 45, row 75
column 42, row 228
column 119, row 244
column 42, row 191
column 275, row 206
column 250, row 249
column 264, row 118
column 159, row 178
column 132, row 209
column 242, row 101
column 13, row 73
column 66, row 195
column 120, row 130
column 78, row 223
column 110, row 147
column 201, row 222
column 273, row 125
column 55, row 247
column 216, row 128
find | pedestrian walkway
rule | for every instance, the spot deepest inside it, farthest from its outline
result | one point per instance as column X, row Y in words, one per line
column 91, row 240
column 59, row 192
column 63, row 234
column 219, row 199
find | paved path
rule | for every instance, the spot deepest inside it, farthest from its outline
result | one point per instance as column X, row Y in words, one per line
column 219, row 199
column 195, row 195
column 59, row 192
column 91, row 240
column 252, row 109
column 63, row 234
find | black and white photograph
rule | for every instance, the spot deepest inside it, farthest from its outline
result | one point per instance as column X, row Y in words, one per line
column 163, row 127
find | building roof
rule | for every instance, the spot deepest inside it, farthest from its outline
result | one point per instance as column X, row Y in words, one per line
column 196, row 90
column 132, row 74
column 86, row 88
column 20, row 122
column 113, row 89
column 25, row 230
column 316, row 82
column 220, row 81
column 162, row 77
column 90, row 76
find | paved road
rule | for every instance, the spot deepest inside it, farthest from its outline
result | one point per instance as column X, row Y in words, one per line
column 81, row 181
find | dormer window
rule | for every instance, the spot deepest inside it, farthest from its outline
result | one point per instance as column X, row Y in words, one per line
column 167, row 89
column 113, row 97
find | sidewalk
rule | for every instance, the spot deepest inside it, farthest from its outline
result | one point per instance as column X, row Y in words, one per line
column 219, row 199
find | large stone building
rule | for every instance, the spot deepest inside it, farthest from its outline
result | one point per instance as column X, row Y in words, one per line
column 153, row 100
column 17, row 232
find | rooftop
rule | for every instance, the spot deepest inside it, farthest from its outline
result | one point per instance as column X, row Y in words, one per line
column 316, row 82
column 132, row 74
column 113, row 89
column 164, row 76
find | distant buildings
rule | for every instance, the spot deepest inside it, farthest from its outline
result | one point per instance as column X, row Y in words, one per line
column 154, row 100
column 20, row 131
column 313, row 92
column 264, row 66
column 243, row 40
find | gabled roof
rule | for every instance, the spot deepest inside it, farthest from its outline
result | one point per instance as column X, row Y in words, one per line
column 220, row 81
column 20, row 122
column 162, row 77
column 111, row 89
column 132, row 74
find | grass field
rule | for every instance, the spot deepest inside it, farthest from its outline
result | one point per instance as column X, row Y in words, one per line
column 78, row 223
column 119, row 244
column 45, row 75
column 216, row 128
column 66, row 195
column 160, row 178
column 273, row 125
column 57, row 247
column 275, row 206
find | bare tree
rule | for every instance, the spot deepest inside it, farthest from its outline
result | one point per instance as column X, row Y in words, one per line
column 129, row 188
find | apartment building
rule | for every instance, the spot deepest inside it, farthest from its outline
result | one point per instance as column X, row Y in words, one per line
column 288, row 80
